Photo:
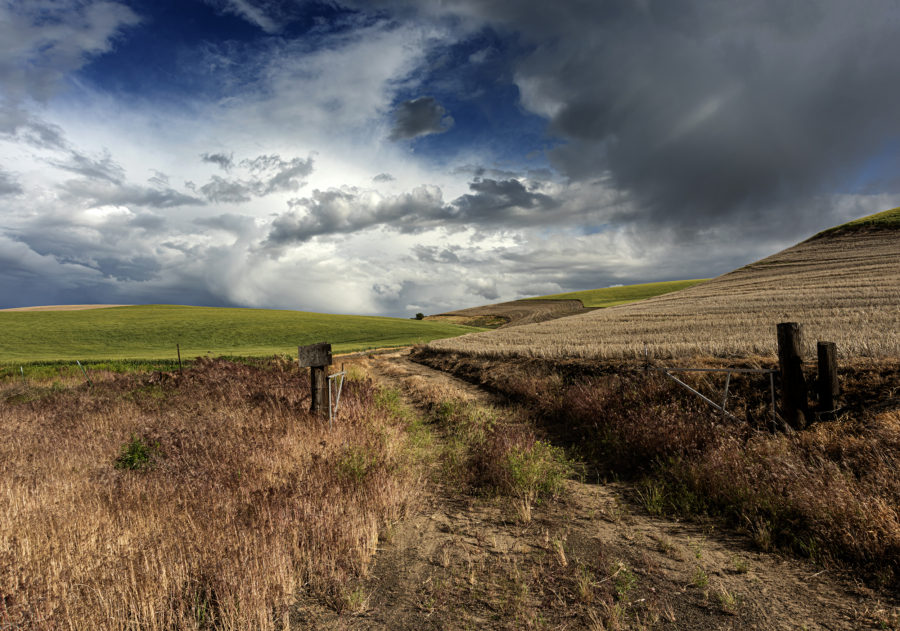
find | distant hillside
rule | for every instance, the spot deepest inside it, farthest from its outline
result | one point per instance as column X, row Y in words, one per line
column 543, row 308
column 843, row 285
column 885, row 220
column 622, row 294
column 152, row 331
column 514, row 313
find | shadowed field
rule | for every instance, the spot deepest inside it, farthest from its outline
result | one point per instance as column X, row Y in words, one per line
column 513, row 313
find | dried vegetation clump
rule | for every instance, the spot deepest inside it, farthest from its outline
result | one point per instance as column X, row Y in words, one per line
column 211, row 500
column 843, row 287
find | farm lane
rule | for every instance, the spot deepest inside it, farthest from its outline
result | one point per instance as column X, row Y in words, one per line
column 466, row 561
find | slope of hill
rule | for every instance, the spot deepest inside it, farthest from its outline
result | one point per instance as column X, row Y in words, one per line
column 514, row 313
column 543, row 308
column 152, row 331
column 622, row 294
column 842, row 285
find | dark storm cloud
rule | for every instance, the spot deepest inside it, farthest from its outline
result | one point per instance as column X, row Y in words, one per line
column 20, row 126
column 703, row 111
column 434, row 254
column 220, row 189
column 104, row 192
column 279, row 175
column 224, row 161
column 8, row 184
column 420, row 117
column 159, row 179
column 343, row 211
column 139, row 268
column 102, row 168
column 492, row 196
column 383, row 177
column 237, row 225
column 348, row 210
column 268, row 174
column 486, row 288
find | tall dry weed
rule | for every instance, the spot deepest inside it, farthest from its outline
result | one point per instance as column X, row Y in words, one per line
column 249, row 502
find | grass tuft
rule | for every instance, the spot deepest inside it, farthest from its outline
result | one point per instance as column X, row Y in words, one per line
column 137, row 454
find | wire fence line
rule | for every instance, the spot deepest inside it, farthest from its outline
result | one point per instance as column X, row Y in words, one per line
column 668, row 370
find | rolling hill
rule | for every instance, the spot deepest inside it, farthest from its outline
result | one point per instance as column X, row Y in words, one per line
column 842, row 285
column 152, row 331
column 543, row 308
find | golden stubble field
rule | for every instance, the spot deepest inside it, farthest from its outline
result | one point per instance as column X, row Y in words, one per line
column 843, row 288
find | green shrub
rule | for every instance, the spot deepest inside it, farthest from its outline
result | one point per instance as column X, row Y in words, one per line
column 356, row 462
column 137, row 454
column 538, row 470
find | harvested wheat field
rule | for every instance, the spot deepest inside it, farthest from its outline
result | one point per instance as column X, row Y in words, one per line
column 842, row 286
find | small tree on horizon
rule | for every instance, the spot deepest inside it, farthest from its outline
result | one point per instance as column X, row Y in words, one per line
column 420, row 316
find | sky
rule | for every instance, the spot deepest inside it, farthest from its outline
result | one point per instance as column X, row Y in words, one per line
column 391, row 157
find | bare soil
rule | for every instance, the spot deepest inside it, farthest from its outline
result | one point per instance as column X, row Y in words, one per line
column 591, row 560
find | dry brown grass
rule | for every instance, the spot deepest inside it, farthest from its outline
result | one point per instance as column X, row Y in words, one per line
column 830, row 492
column 250, row 503
column 843, row 288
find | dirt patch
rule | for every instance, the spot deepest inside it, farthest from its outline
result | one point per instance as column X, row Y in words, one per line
column 589, row 560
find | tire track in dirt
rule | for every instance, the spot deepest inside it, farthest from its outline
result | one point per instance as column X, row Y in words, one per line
column 467, row 562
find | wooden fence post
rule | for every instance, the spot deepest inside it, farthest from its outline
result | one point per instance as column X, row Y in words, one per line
column 318, row 358
column 828, row 385
column 793, row 385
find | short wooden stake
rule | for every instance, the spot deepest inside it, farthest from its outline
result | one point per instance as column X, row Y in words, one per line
column 793, row 384
column 318, row 387
column 828, row 385
column 318, row 358
column 178, row 348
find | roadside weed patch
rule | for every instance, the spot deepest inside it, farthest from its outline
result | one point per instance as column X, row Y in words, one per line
column 137, row 454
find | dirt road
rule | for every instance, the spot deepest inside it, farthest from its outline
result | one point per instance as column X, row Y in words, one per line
column 590, row 560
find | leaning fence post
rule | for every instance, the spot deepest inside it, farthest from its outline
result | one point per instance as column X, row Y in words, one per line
column 84, row 372
column 793, row 385
column 828, row 385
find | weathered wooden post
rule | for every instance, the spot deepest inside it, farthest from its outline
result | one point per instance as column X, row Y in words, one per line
column 793, row 385
column 828, row 385
column 318, row 358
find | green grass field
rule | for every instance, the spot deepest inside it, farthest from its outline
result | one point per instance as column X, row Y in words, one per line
column 152, row 331
column 884, row 219
column 612, row 296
